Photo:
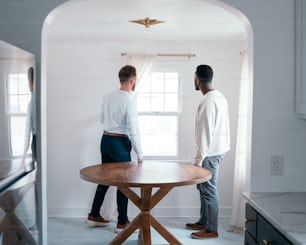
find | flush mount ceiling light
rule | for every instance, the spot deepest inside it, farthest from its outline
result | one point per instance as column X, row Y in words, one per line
column 147, row 22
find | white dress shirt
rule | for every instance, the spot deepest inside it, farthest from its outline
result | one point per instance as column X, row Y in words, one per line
column 30, row 127
column 119, row 115
column 212, row 131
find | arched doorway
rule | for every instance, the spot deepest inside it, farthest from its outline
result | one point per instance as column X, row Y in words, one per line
column 72, row 75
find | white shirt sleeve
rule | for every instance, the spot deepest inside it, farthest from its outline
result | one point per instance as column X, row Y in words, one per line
column 205, row 125
column 133, row 129
column 27, row 136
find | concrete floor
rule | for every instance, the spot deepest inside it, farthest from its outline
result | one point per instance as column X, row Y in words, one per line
column 73, row 231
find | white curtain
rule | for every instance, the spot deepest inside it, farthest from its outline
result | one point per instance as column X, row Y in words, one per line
column 143, row 64
column 243, row 146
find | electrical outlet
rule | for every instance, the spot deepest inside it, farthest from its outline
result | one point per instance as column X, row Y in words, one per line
column 277, row 165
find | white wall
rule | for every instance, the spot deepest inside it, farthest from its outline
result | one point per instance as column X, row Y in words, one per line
column 79, row 74
column 276, row 127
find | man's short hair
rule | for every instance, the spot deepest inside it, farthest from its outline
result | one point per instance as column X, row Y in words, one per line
column 31, row 74
column 204, row 73
column 126, row 73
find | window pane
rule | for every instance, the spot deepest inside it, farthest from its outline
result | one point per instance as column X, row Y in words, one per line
column 144, row 86
column 157, row 102
column 17, row 135
column 159, row 131
column 13, row 84
column 171, row 102
column 143, row 102
column 158, row 135
column 23, row 103
column 18, row 93
column 171, row 82
column 157, row 82
column 13, row 105
column 23, row 84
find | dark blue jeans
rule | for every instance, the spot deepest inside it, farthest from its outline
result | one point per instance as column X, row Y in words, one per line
column 33, row 147
column 113, row 149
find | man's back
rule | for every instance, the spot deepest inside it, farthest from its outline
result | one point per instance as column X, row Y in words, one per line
column 115, row 106
column 214, row 114
column 119, row 115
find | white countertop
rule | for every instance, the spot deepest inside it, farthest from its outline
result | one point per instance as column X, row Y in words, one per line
column 284, row 210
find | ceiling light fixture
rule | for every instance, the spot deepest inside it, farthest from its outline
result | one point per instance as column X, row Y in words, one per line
column 147, row 22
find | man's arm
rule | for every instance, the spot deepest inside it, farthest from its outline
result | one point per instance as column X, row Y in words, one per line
column 204, row 131
column 132, row 124
column 27, row 137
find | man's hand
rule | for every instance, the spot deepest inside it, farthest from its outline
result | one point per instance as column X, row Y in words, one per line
column 140, row 160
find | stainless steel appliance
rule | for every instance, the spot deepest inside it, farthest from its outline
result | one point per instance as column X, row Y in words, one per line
column 18, row 188
column 17, row 181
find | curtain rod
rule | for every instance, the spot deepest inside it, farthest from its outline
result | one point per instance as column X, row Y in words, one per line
column 170, row 55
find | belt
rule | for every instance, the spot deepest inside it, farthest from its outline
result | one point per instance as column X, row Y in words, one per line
column 115, row 134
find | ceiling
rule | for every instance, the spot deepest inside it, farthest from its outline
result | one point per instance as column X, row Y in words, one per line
column 191, row 20
column 9, row 52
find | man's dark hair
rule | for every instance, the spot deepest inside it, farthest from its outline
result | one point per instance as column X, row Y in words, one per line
column 31, row 74
column 126, row 73
column 204, row 73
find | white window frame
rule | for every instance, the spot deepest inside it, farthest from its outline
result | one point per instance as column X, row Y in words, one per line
column 10, row 115
column 169, row 66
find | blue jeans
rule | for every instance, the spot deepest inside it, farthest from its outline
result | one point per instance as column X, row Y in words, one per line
column 113, row 149
column 209, row 194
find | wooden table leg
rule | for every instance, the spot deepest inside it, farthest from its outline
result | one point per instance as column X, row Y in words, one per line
column 145, row 229
column 123, row 235
column 144, row 220
column 13, row 231
column 164, row 232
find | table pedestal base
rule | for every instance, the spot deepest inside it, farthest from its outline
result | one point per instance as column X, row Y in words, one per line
column 12, row 229
column 144, row 220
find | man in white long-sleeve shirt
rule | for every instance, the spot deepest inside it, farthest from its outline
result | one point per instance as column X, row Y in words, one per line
column 121, row 134
column 212, row 136
column 31, row 118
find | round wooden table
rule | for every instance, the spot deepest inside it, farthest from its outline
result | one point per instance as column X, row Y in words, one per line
column 146, row 175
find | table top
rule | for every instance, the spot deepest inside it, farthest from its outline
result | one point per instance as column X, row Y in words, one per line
column 12, row 169
column 148, row 173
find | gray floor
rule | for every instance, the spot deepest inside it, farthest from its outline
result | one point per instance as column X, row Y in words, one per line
column 73, row 231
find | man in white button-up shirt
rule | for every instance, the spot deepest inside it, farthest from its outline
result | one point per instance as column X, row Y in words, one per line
column 121, row 134
column 212, row 136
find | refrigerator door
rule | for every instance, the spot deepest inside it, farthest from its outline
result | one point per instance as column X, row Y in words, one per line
column 18, row 209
